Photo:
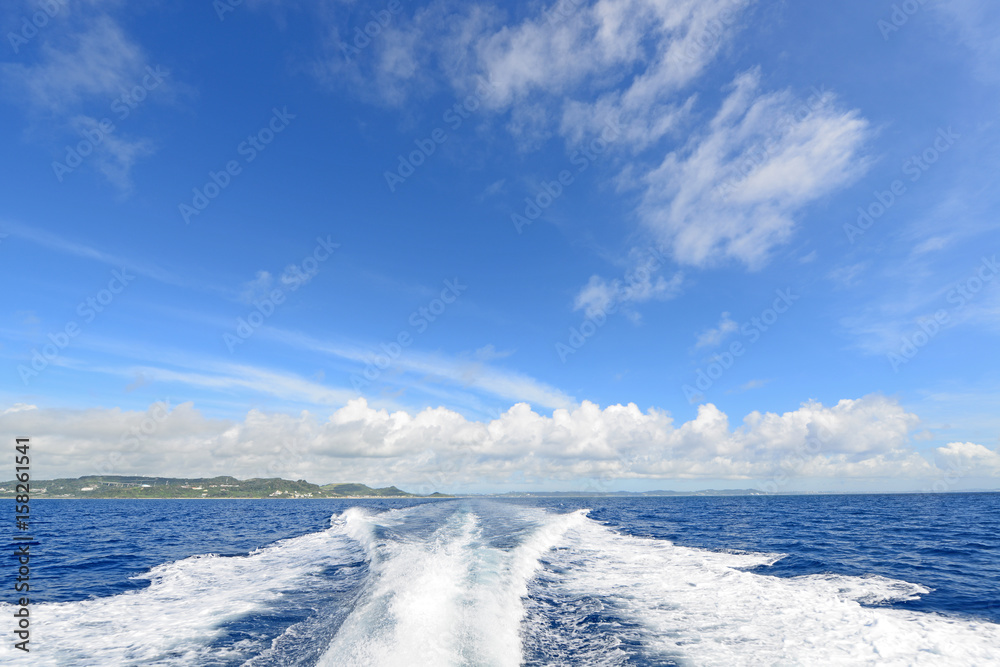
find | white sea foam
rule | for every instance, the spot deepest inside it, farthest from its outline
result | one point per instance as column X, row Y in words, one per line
column 701, row 607
column 185, row 607
column 452, row 599
column 473, row 584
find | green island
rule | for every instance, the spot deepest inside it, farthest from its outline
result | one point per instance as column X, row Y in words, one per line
column 117, row 486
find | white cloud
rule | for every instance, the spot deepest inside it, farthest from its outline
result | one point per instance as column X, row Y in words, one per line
column 847, row 275
column 969, row 459
column 733, row 191
column 568, row 67
column 977, row 23
column 687, row 37
column 410, row 55
column 221, row 376
column 750, row 384
column 912, row 297
column 627, row 57
column 19, row 407
column 867, row 437
column 84, row 65
column 714, row 336
column 102, row 62
column 490, row 352
column 595, row 297
column 421, row 369
column 114, row 156
column 642, row 283
column 933, row 244
column 34, row 233
column 256, row 289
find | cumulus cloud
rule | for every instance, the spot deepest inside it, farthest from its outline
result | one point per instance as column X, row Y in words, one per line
column 969, row 458
column 437, row 447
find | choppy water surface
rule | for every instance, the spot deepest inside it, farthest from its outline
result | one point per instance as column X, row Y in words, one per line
column 888, row 580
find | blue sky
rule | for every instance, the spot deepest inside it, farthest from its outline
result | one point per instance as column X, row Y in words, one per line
column 613, row 245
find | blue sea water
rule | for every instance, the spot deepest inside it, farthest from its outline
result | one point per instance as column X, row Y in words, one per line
column 743, row 580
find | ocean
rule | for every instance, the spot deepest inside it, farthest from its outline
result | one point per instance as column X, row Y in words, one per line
column 731, row 580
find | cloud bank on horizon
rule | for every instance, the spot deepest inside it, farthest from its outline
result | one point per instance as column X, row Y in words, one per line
column 424, row 244
column 439, row 449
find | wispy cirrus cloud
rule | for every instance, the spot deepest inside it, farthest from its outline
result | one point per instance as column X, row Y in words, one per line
column 50, row 241
column 977, row 23
column 413, row 366
column 732, row 193
column 715, row 335
column 98, row 61
column 599, row 295
column 82, row 67
column 565, row 68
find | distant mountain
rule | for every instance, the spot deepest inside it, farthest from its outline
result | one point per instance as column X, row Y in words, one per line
column 362, row 490
column 121, row 486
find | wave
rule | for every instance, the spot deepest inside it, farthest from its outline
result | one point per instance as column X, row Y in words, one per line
column 187, row 607
column 480, row 583
column 689, row 606
column 453, row 598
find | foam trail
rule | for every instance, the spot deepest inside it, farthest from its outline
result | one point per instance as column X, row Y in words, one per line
column 699, row 607
column 450, row 599
column 185, row 607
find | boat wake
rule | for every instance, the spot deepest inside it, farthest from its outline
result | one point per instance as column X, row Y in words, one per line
column 481, row 583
